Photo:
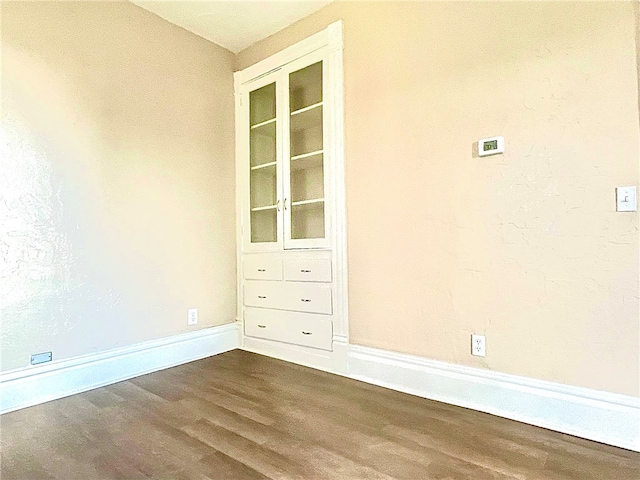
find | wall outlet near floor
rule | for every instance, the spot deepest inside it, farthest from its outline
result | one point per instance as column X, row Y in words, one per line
column 192, row 316
column 478, row 345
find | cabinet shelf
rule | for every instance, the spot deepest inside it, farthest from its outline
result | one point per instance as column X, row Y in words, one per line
column 306, row 155
column 261, row 209
column 312, row 201
column 305, row 118
column 308, row 162
column 305, row 109
column 262, row 124
column 263, row 165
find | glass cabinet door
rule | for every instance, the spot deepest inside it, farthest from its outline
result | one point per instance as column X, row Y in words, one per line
column 263, row 178
column 306, row 154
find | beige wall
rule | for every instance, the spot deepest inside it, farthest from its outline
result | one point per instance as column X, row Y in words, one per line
column 116, row 179
column 524, row 247
column 117, row 201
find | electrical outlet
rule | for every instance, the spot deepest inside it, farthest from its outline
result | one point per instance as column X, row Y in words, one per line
column 478, row 345
column 192, row 316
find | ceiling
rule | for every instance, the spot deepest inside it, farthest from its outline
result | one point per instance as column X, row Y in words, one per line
column 233, row 24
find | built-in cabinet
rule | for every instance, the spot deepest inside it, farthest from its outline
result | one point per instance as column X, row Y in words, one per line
column 290, row 195
column 288, row 297
column 288, row 199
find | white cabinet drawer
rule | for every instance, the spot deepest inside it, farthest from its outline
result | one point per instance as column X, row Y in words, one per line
column 304, row 329
column 311, row 270
column 307, row 297
column 262, row 267
column 263, row 294
column 298, row 297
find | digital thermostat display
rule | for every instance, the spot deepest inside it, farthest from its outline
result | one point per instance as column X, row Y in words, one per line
column 490, row 146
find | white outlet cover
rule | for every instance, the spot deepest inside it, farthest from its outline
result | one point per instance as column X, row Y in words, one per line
column 478, row 345
column 192, row 316
column 626, row 199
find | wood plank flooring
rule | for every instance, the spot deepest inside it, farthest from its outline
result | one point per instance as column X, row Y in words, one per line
column 244, row 416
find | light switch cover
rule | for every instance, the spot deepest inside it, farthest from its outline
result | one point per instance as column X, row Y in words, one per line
column 626, row 199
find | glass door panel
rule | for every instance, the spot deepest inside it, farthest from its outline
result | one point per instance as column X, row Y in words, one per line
column 262, row 104
column 263, row 178
column 307, row 178
column 264, row 226
column 305, row 87
column 307, row 220
column 306, row 132
column 306, row 150
column 263, row 144
column 263, row 187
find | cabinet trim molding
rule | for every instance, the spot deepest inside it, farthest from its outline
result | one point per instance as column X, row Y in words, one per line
column 339, row 214
column 326, row 37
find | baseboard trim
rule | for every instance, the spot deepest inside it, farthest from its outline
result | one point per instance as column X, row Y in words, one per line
column 595, row 415
column 329, row 361
column 31, row 386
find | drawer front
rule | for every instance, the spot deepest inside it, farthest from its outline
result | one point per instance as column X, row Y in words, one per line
column 303, row 329
column 307, row 297
column 261, row 267
column 297, row 297
column 263, row 294
column 313, row 270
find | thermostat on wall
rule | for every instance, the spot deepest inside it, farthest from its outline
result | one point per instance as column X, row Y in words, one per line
column 490, row 146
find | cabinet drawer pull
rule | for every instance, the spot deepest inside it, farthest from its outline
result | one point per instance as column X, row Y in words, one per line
column 306, row 300
column 262, row 269
column 261, row 296
column 262, row 326
column 307, row 333
column 305, row 271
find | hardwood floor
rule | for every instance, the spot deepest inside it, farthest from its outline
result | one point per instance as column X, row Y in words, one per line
column 243, row 416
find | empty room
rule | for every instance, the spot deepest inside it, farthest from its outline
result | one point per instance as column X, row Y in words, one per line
column 319, row 240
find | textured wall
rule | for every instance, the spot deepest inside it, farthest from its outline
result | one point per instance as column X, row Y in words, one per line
column 524, row 247
column 116, row 179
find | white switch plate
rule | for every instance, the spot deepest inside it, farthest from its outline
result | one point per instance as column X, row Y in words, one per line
column 192, row 316
column 626, row 199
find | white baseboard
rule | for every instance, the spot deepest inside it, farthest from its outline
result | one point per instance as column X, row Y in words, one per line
column 330, row 361
column 600, row 416
column 340, row 355
column 31, row 386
